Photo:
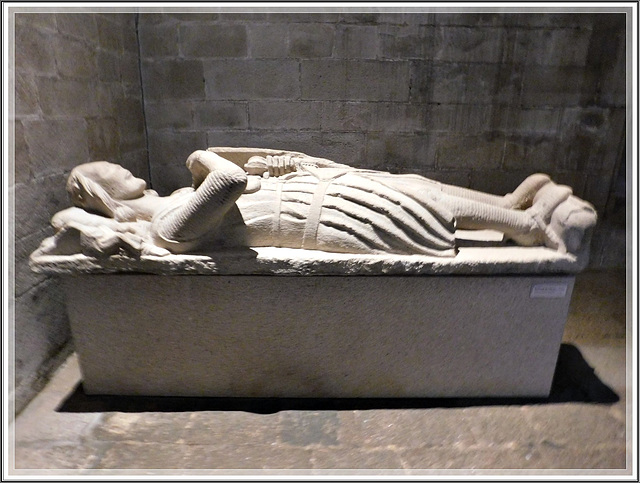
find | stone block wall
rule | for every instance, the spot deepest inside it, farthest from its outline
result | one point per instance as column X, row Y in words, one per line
column 479, row 100
column 77, row 99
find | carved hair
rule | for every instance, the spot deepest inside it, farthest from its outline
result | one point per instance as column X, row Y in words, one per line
column 89, row 195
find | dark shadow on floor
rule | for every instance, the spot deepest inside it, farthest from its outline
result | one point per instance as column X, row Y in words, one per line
column 574, row 381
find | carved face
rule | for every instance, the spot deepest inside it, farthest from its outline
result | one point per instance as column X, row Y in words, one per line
column 117, row 181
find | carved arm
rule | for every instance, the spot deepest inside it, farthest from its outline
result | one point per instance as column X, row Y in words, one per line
column 218, row 184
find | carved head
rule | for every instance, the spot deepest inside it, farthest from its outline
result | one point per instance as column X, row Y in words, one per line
column 98, row 186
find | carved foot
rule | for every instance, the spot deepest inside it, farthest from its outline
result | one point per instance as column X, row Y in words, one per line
column 522, row 197
column 563, row 218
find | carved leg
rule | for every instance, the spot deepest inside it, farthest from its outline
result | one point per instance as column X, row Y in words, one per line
column 517, row 225
column 521, row 198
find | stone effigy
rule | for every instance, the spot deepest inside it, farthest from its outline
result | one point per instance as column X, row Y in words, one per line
column 489, row 324
column 264, row 198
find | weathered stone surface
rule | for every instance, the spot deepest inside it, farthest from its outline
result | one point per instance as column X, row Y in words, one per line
column 74, row 59
column 71, row 98
column 285, row 115
column 78, row 25
column 465, row 44
column 229, row 115
column 167, row 114
column 102, row 138
column 312, row 40
column 55, row 144
column 350, row 80
column 400, row 152
column 508, row 347
column 33, row 52
column 266, row 42
column 158, row 40
column 202, row 40
column 174, row 79
column 255, row 79
column 110, row 35
column 357, row 41
column 468, row 152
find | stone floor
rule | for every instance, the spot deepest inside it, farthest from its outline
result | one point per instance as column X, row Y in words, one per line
column 581, row 428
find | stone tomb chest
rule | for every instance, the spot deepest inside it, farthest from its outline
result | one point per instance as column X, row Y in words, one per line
column 151, row 316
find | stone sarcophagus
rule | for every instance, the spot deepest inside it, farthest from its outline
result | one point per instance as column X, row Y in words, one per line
column 279, row 274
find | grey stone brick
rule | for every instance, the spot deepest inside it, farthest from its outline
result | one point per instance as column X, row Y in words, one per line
column 589, row 136
column 347, row 116
column 499, row 181
column 21, row 166
column 74, row 59
column 561, row 20
column 471, row 152
column 108, row 65
column 173, row 79
column 33, row 51
column 129, row 35
column 463, row 118
column 61, row 97
column 215, row 115
column 169, row 114
column 537, row 152
column 266, row 41
column 196, row 15
column 131, row 133
column 41, row 328
column 37, row 201
column 407, row 42
column 167, row 178
column 136, row 161
column 309, row 17
column 407, row 17
column 464, row 44
column 311, row 40
column 533, row 121
column 78, row 25
column 25, row 279
column 471, row 19
column 482, row 83
column 167, row 147
column 26, row 94
column 454, row 177
column 612, row 72
column 352, row 80
column 346, row 148
column 399, row 153
column 357, row 42
column 285, row 115
column 362, row 18
column 255, row 79
column 436, row 82
column 552, row 86
column 397, row 117
column 553, row 47
column 110, row 34
column 55, row 145
column 247, row 17
column 457, row 83
column 41, row 21
column 158, row 40
column 219, row 40
column 102, row 139
column 597, row 187
column 130, row 68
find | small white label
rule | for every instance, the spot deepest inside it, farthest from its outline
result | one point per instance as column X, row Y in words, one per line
column 548, row 291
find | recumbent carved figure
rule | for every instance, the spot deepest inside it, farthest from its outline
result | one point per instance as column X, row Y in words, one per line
column 244, row 197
